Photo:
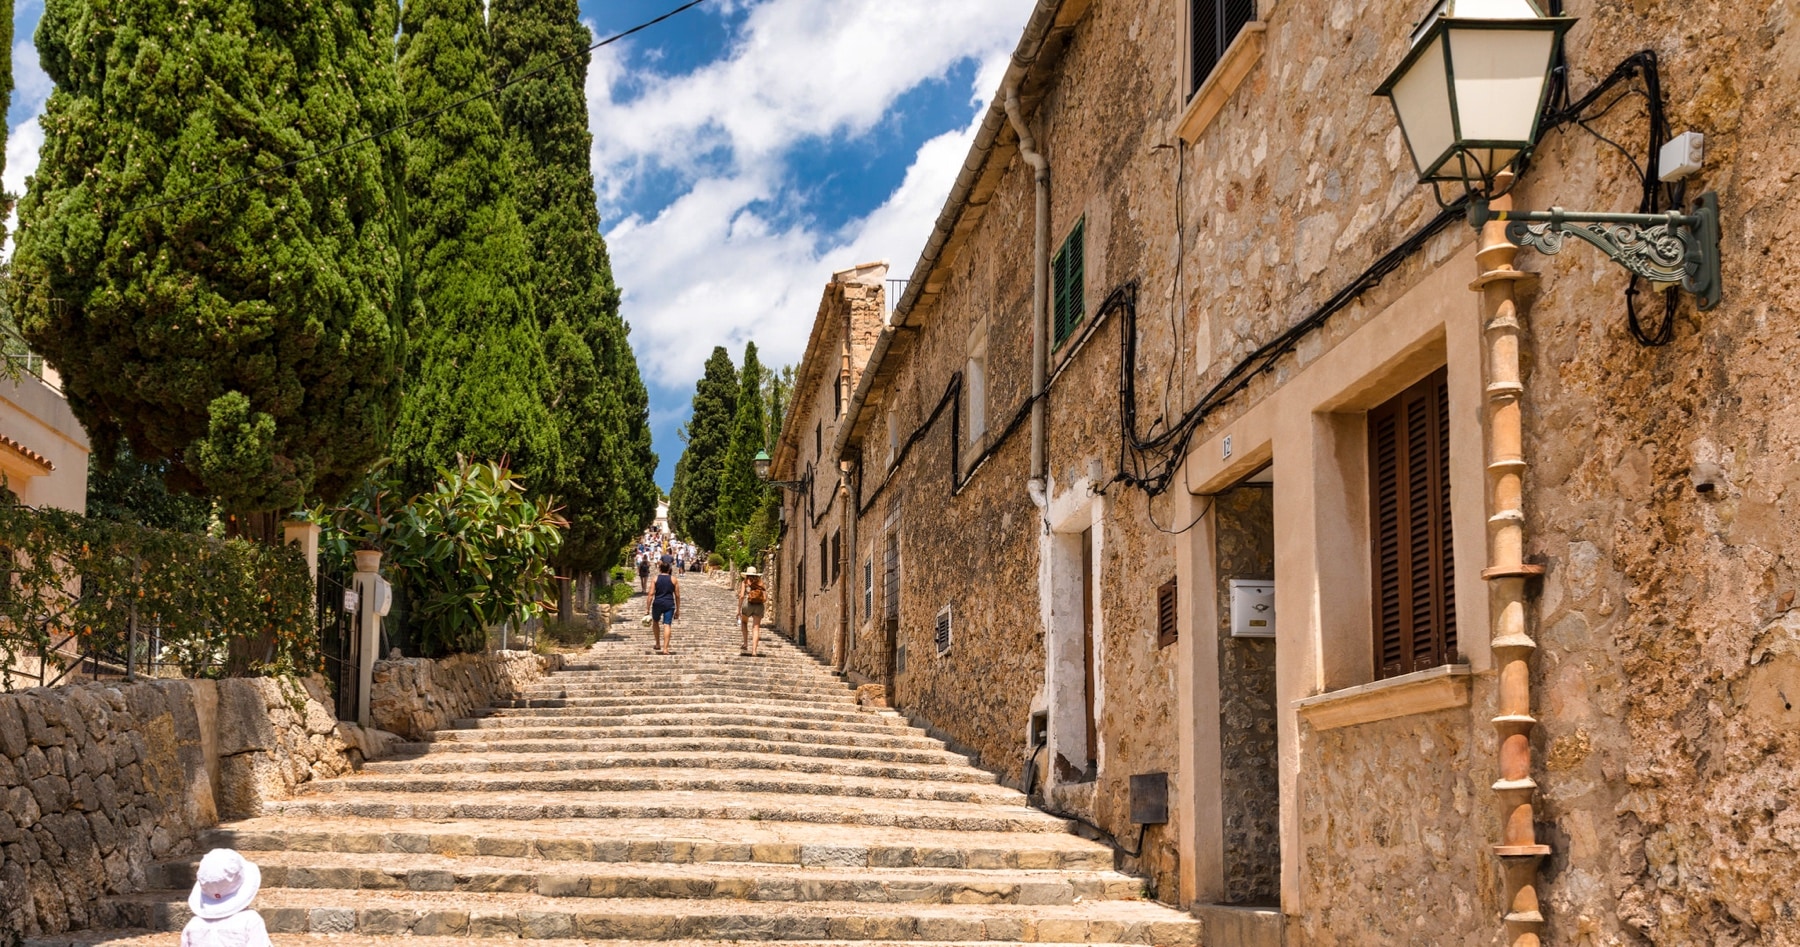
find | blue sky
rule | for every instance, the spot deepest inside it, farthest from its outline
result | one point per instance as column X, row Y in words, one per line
column 743, row 151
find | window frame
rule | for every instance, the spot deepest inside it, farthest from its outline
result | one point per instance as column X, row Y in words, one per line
column 975, row 382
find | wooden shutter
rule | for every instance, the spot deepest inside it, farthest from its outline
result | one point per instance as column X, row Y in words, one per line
column 1213, row 24
column 1068, row 270
column 1167, row 627
column 1414, row 576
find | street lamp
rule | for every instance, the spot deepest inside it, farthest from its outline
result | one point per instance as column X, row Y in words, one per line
column 762, row 463
column 1470, row 98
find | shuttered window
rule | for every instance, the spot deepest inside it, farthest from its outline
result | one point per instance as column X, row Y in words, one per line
column 1415, row 577
column 1212, row 25
column 890, row 592
column 1069, row 305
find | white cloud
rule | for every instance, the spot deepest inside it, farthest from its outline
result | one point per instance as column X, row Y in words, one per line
column 710, row 268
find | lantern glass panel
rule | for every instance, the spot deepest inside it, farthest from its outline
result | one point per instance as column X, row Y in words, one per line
column 1422, row 101
column 1499, row 81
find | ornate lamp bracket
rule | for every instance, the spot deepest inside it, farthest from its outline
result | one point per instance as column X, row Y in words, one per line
column 1672, row 249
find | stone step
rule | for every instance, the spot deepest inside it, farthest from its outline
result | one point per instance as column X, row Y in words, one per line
column 626, row 706
column 837, row 696
column 774, row 734
column 744, row 882
column 749, row 669
column 773, row 807
column 672, row 841
column 665, row 780
column 732, row 681
column 131, row 939
column 943, row 770
column 407, row 751
column 684, row 717
column 488, row 915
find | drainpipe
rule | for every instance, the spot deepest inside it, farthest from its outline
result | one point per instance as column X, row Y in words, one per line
column 846, row 558
column 847, row 471
column 1040, row 284
column 1507, row 573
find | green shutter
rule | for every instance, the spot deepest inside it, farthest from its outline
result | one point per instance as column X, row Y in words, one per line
column 1068, row 305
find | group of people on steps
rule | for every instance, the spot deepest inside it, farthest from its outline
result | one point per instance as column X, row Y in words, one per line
column 663, row 604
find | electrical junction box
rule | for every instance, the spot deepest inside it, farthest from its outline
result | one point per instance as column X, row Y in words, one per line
column 1681, row 156
column 1252, row 608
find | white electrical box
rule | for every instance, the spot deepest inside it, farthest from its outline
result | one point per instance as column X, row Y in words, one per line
column 1681, row 156
column 1252, row 608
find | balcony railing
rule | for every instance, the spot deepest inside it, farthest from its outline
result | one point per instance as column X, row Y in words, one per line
column 896, row 288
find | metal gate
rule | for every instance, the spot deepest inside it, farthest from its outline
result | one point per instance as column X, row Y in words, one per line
column 340, row 638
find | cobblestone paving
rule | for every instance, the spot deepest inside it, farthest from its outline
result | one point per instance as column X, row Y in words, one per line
column 698, row 798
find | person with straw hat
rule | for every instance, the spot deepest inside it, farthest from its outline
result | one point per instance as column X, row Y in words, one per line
column 224, row 886
column 752, row 599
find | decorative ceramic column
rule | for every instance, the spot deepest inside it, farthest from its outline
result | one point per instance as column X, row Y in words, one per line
column 1507, row 574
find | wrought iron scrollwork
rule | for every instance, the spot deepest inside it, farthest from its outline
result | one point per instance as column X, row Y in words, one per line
column 1672, row 249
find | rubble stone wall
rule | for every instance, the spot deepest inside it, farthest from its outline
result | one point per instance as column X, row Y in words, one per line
column 99, row 781
column 414, row 696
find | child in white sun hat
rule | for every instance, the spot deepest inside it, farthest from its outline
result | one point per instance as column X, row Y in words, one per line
column 223, row 889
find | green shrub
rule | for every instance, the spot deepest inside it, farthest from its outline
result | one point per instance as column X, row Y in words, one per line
column 218, row 605
column 472, row 553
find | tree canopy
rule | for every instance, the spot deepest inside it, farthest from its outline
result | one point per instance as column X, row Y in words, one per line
column 478, row 385
column 600, row 406
column 741, row 493
column 247, row 334
column 694, row 502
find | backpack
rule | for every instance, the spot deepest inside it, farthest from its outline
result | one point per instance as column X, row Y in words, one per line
column 755, row 595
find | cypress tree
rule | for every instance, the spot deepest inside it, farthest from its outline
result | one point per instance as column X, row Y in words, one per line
column 243, row 333
column 477, row 384
column 601, row 407
column 740, row 492
column 697, row 474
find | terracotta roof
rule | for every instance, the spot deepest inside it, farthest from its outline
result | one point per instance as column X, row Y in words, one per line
column 27, row 453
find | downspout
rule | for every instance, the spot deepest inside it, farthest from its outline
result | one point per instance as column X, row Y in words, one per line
column 1519, row 851
column 846, row 556
column 1040, row 285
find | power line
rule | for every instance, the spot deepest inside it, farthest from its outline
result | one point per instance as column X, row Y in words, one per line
column 376, row 136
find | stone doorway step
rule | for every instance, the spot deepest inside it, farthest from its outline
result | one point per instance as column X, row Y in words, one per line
column 700, row 798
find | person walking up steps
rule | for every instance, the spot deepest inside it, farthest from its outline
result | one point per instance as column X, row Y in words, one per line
column 665, row 607
column 751, row 600
column 643, row 569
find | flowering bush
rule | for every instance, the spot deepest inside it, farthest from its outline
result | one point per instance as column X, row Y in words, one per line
column 73, row 585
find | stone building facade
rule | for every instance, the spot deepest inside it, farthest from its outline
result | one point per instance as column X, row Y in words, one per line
column 1250, row 310
column 808, row 572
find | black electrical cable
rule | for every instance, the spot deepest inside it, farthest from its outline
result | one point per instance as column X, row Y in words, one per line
column 1149, row 461
column 377, row 136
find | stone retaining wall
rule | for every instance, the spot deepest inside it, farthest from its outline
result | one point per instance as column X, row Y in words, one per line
column 414, row 696
column 101, row 780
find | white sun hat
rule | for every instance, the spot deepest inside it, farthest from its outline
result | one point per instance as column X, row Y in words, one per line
column 224, row 885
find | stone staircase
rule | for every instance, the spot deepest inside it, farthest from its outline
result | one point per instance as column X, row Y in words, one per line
column 698, row 798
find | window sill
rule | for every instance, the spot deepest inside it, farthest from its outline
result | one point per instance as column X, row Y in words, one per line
column 1438, row 688
column 1233, row 68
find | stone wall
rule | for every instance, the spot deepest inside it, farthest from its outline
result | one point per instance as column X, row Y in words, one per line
column 414, row 696
column 101, row 780
column 1250, row 784
column 1391, row 823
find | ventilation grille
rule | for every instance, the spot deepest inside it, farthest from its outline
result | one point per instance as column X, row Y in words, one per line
column 1167, row 629
column 940, row 633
